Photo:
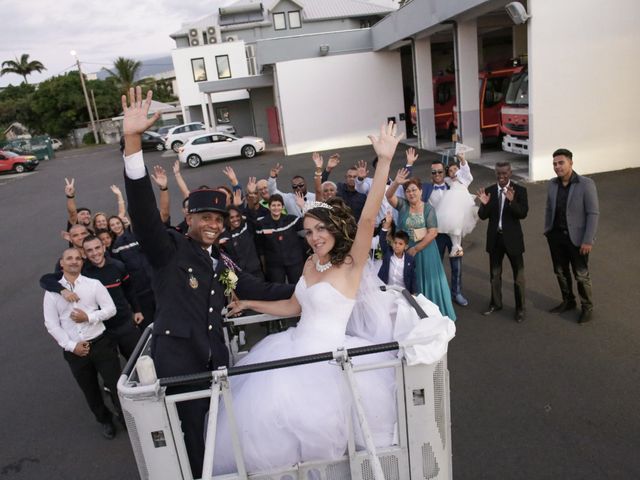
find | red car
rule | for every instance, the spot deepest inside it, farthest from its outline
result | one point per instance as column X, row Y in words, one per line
column 12, row 162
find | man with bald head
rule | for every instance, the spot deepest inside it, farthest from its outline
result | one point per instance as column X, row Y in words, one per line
column 79, row 330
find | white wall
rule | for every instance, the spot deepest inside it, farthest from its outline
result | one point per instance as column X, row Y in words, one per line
column 336, row 101
column 188, row 89
column 584, row 66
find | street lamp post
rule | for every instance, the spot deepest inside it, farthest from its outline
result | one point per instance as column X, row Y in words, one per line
column 86, row 98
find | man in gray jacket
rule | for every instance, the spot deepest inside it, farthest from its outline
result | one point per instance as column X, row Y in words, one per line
column 570, row 224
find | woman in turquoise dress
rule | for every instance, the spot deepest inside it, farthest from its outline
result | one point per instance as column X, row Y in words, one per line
column 418, row 219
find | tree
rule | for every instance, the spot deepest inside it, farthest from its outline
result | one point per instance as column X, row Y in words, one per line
column 125, row 71
column 22, row 67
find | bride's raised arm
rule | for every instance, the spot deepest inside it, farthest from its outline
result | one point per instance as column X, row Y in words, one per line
column 385, row 147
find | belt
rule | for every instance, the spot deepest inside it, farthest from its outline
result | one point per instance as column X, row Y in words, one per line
column 96, row 339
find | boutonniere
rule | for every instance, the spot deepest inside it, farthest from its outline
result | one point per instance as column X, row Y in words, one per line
column 229, row 280
column 377, row 254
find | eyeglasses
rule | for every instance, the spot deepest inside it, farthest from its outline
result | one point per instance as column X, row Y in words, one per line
column 297, row 185
column 434, row 172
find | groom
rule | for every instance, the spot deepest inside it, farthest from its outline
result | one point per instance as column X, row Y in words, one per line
column 187, row 269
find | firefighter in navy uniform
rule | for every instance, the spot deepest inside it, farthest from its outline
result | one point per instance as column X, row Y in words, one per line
column 187, row 332
column 280, row 245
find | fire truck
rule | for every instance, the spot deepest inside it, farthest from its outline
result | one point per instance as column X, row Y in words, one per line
column 515, row 114
column 493, row 84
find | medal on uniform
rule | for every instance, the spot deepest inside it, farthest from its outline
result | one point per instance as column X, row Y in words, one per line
column 193, row 282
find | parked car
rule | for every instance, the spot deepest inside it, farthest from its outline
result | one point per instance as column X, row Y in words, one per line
column 215, row 146
column 178, row 135
column 12, row 162
column 150, row 141
column 56, row 144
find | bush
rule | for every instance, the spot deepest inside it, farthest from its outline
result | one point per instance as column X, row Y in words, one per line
column 88, row 139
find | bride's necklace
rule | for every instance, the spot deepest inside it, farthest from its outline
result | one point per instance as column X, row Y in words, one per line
column 322, row 267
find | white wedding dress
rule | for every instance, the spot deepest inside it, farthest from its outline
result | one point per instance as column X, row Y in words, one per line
column 296, row 414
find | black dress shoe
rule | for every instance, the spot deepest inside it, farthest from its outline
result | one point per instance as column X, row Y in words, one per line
column 519, row 316
column 565, row 306
column 108, row 430
column 585, row 316
column 491, row 309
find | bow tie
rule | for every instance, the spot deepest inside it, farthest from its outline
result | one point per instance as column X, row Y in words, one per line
column 440, row 187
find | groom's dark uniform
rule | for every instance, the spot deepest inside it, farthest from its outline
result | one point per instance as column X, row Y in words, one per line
column 188, row 328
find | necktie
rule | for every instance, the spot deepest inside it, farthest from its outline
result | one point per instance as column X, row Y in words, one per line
column 440, row 187
column 502, row 199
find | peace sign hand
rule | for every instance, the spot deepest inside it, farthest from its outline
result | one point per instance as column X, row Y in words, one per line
column 69, row 189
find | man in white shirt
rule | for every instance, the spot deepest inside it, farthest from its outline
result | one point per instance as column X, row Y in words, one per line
column 78, row 328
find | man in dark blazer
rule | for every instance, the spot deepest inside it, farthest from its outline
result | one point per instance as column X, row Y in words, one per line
column 505, row 204
column 570, row 224
column 399, row 251
column 188, row 331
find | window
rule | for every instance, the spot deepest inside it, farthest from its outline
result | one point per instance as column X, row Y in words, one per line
column 202, row 140
column 199, row 72
column 294, row 19
column 279, row 22
column 495, row 91
column 195, row 127
column 222, row 115
column 222, row 63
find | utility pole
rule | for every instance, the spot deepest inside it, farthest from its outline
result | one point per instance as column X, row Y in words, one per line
column 86, row 98
column 95, row 109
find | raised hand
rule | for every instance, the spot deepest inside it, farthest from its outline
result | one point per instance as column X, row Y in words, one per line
column 116, row 191
column 385, row 145
column 69, row 188
column 159, row 176
column 252, row 185
column 402, row 176
column 388, row 219
column 299, row 199
column 361, row 168
column 237, row 198
column 317, row 160
column 136, row 112
column 230, row 174
column 333, row 162
column 483, row 196
column 411, row 155
column 275, row 171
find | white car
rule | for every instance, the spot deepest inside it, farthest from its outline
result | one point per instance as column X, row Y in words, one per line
column 56, row 144
column 178, row 135
column 215, row 146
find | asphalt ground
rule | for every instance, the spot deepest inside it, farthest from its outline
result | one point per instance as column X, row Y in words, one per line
column 545, row 399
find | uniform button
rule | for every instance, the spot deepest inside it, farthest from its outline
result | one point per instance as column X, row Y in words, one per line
column 210, row 309
column 215, row 275
column 190, row 270
column 212, row 292
column 167, row 332
column 210, row 327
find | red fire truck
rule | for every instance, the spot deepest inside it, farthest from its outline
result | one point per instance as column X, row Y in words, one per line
column 493, row 85
column 515, row 114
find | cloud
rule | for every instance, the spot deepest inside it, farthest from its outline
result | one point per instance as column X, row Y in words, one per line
column 98, row 31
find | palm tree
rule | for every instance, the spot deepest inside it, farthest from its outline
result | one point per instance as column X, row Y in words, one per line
column 22, row 67
column 125, row 71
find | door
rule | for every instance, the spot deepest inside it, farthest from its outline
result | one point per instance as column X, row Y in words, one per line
column 274, row 126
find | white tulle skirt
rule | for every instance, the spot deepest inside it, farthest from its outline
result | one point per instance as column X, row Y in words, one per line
column 457, row 212
column 301, row 413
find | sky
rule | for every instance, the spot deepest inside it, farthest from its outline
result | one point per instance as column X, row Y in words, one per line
column 99, row 31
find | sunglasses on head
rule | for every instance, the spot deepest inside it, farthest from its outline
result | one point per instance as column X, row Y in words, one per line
column 297, row 185
column 433, row 172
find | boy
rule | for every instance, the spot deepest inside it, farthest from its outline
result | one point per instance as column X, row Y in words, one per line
column 398, row 267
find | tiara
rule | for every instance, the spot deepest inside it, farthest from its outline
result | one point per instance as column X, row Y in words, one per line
column 310, row 205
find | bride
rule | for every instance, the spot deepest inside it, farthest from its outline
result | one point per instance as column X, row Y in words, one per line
column 302, row 413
